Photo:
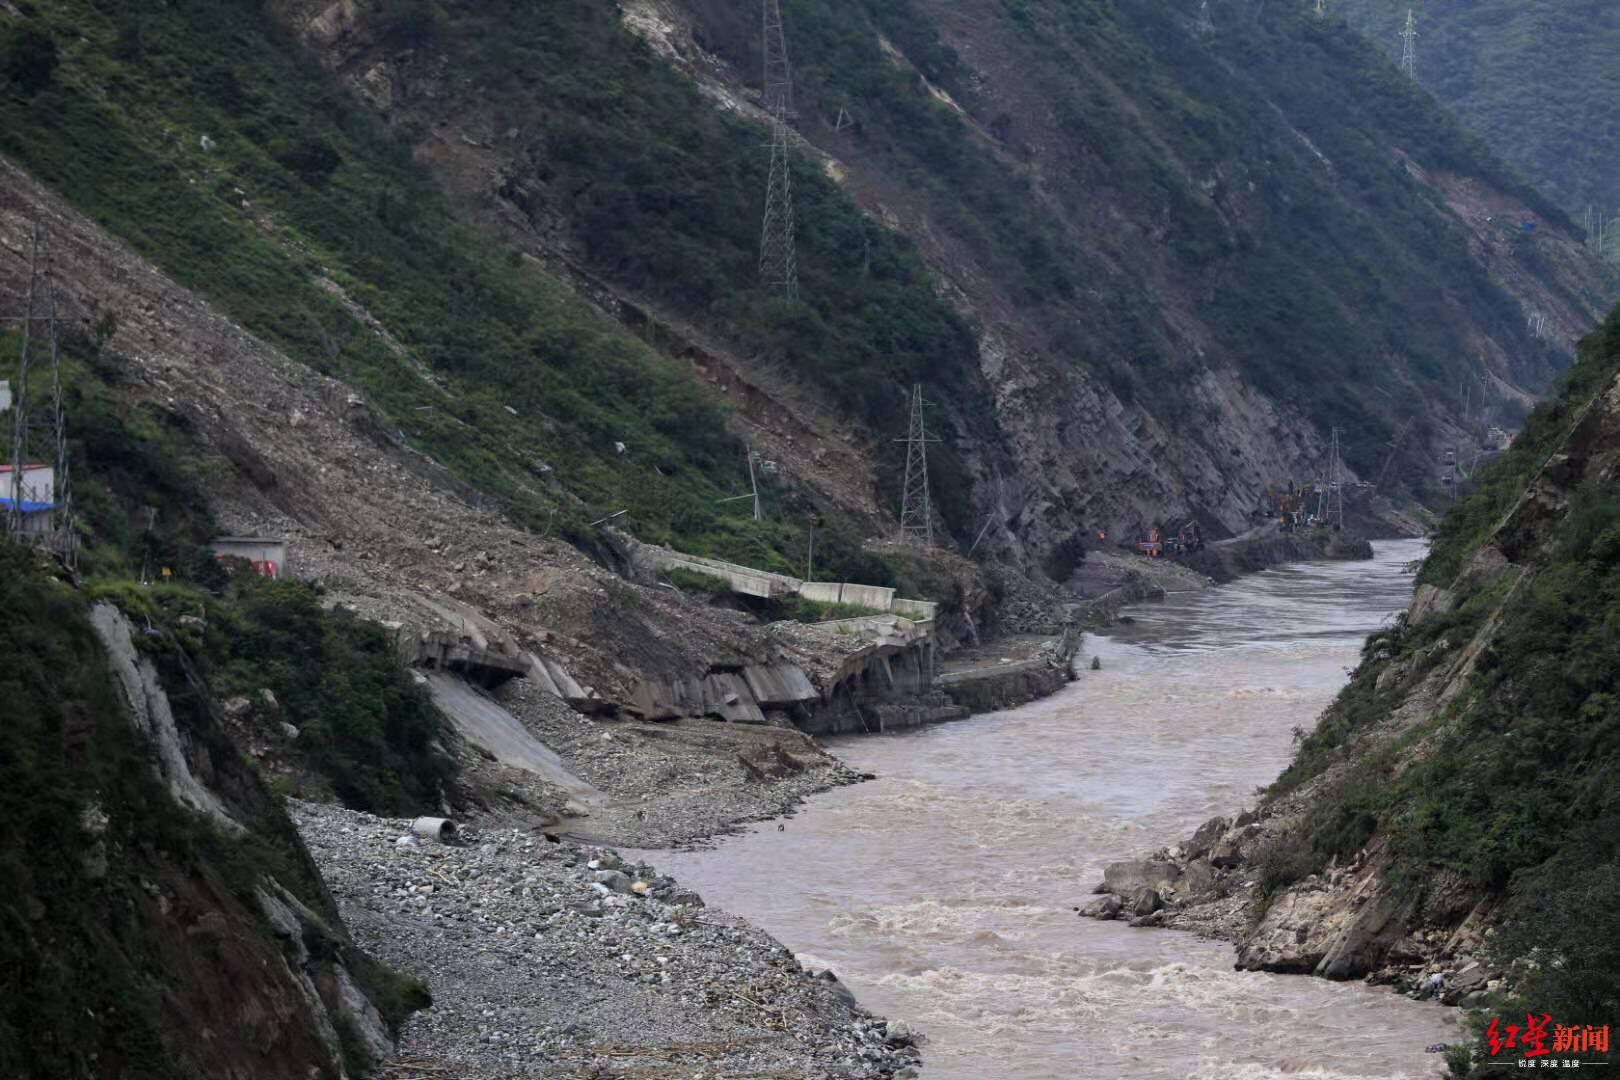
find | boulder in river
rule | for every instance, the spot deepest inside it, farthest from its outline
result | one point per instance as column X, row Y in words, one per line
column 1104, row 907
column 1144, row 901
column 1124, row 878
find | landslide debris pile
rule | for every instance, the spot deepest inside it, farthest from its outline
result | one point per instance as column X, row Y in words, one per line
column 551, row 959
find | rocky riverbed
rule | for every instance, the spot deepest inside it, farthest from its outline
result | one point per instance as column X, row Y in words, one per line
column 548, row 958
column 1342, row 923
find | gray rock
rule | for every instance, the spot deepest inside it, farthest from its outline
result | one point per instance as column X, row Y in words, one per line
column 1197, row 878
column 1124, row 878
column 1104, row 907
column 616, row 880
column 1247, row 817
column 1144, row 901
column 1206, row 836
column 1470, row 976
column 1234, row 848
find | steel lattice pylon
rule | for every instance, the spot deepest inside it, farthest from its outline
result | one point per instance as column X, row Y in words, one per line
column 778, row 259
column 19, row 402
column 916, row 513
column 41, row 292
column 1409, row 45
column 1334, row 504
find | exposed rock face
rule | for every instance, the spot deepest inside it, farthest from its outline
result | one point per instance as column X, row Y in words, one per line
column 1071, row 453
column 1383, row 912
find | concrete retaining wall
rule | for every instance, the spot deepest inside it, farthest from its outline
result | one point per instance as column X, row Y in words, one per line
column 915, row 610
column 867, row 596
column 822, row 592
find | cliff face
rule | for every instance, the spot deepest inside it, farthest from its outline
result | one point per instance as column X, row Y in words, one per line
column 163, row 918
column 1464, row 778
column 1183, row 256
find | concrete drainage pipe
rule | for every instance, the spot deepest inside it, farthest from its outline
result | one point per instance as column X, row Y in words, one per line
column 442, row 830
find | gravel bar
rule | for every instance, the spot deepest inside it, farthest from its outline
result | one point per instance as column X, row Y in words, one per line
column 553, row 959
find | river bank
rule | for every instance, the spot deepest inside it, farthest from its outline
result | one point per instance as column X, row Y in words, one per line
column 943, row 892
column 549, row 959
column 541, row 969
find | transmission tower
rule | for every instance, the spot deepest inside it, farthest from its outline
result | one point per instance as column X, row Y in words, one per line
column 778, row 261
column 1335, row 506
column 41, row 292
column 62, row 535
column 1409, row 46
column 19, row 403
column 1206, row 25
column 1394, row 446
column 916, row 514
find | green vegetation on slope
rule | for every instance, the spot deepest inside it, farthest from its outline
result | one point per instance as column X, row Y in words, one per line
column 218, row 148
column 139, row 497
column 1536, row 78
column 1236, row 177
column 97, row 970
column 1513, row 783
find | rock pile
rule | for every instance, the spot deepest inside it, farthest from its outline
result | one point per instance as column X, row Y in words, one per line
column 549, row 959
column 1343, row 922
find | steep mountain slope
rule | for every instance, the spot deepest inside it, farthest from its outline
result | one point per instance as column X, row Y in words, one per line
column 1453, row 817
column 162, row 918
column 1184, row 257
column 1536, row 78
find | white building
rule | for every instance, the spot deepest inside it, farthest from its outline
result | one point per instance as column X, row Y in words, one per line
column 38, row 483
column 38, row 487
column 268, row 555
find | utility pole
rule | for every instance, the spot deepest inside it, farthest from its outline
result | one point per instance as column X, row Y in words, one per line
column 778, row 259
column 1409, row 46
column 1206, row 25
column 916, row 514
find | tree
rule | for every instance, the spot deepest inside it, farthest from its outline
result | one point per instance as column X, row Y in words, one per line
column 29, row 59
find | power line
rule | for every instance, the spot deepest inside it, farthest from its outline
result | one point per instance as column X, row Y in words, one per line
column 778, row 259
column 916, row 512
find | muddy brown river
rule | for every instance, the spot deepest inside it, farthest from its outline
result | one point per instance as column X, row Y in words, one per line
column 943, row 893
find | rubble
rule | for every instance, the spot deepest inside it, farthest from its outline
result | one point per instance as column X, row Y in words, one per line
column 552, row 959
